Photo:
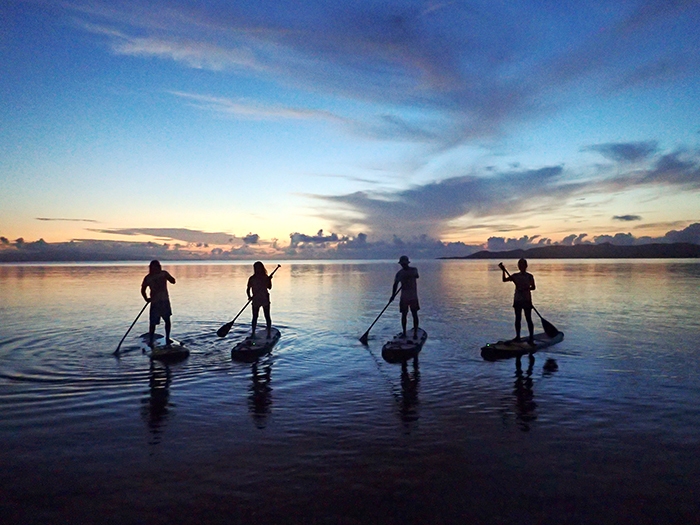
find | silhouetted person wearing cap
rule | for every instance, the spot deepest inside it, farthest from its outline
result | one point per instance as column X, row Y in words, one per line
column 524, row 284
column 407, row 277
column 157, row 280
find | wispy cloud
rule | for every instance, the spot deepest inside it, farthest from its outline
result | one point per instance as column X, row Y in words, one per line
column 480, row 69
column 177, row 234
column 627, row 218
column 256, row 110
column 62, row 219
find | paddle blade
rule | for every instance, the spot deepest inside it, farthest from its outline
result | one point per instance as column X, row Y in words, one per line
column 363, row 339
column 224, row 330
column 549, row 328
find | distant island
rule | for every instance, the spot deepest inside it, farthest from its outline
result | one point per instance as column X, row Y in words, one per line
column 680, row 250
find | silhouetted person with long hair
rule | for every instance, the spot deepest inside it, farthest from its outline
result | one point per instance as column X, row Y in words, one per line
column 157, row 280
column 407, row 277
column 258, row 285
column 522, row 300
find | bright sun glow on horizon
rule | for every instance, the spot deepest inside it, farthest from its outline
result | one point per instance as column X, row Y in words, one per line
column 362, row 127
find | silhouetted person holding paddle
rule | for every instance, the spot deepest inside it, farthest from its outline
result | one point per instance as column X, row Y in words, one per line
column 524, row 284
column 259, row 283
column 407, row 277
column 157, row 280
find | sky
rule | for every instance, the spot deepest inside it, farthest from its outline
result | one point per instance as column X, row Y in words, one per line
column 261, row 128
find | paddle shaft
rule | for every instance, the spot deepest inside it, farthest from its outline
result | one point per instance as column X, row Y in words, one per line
column 224, row 330
column 116, row 352
column 363, row 339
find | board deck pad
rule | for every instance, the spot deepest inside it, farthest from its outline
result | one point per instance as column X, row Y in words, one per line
column 402, row 348
column 253, row 347
column 509, row 348
column 175, row 351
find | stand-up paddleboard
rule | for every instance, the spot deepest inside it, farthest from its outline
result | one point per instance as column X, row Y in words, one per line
column 175, row 351
column 256, row 346
column 402, row 348
column 506, row 349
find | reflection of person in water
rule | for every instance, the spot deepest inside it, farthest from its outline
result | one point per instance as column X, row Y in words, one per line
column 258, row 285
column 157, row 280
column 524, row 395
column 407, row 277
column 524, row 284
column 156, row 406
column 260, row 399
column 409, row 391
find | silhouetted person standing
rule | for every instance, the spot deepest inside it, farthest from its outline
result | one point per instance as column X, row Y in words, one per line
column 524, row 284
column 157, row 280
column 259, row 283
column 407, row 277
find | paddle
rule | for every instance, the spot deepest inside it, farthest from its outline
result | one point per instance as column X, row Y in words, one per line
column 116, row 352
column 548, row 327
column 224, row 330
column 363, row 339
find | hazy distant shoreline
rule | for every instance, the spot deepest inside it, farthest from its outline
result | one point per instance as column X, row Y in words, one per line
column 681, row 250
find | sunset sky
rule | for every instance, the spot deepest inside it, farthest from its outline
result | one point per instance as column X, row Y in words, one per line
column 257, row 124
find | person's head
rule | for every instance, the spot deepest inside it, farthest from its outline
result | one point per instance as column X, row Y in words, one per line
column 403, row 260
column 154, row 267
column 259, row 268
column 522, row 265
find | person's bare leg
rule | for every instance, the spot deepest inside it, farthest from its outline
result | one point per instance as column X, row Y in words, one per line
column 268, row 319
column 254, row 323
column 167, row 331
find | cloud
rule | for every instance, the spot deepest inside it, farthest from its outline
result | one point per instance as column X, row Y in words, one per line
column 177, row 234
column 63, row 219
column 255, row 110
column 625, row 151
column 301, row 240
column 513, row 195
column 251, row 238
column 428, row 208
column 475, row 70
column 689, row 234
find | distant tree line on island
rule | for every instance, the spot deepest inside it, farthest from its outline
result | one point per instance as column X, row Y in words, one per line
column 680, row 250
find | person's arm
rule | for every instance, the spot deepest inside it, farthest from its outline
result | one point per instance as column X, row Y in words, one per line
column 143, row 291
column 170, row 278
column 393, row 289
column 269, row 282
column 532, row 283
column 248, row 288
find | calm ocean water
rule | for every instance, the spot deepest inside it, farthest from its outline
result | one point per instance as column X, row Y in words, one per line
column 323, row 430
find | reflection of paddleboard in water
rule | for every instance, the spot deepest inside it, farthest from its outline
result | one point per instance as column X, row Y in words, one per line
column 175, row 351
column 506, row 349
column 253, row 347
column 402, row 348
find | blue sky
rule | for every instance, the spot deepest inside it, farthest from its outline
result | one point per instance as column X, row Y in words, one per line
column 259, row 127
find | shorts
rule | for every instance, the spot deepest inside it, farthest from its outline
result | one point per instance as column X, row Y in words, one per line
column 258, row 302
column 406, row 304
column 160, row 309
column 520, row 304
